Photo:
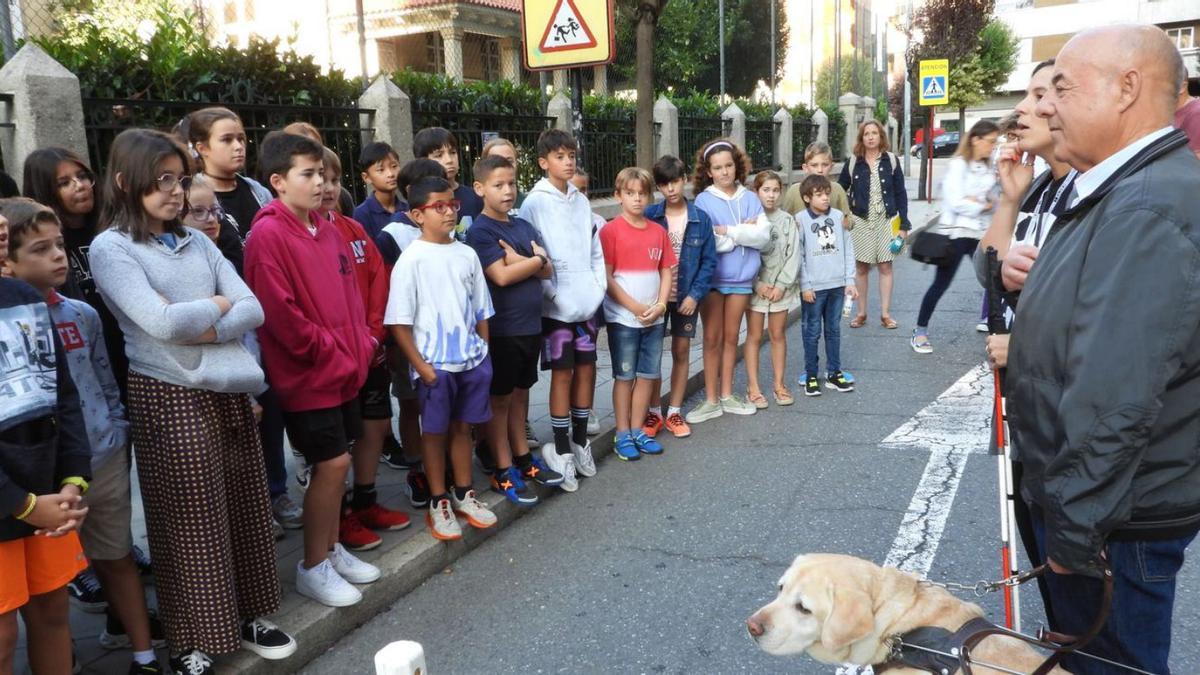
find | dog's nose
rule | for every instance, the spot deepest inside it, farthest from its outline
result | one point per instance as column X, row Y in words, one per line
column 754, row 627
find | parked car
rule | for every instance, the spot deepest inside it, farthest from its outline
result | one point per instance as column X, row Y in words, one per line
column 943, row 146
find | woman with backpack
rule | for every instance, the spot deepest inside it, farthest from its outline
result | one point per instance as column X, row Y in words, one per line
column 875, row 184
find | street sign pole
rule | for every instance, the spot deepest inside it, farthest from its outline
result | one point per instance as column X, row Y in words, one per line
column 577, row 113
column 933, row 91
column 929, row 152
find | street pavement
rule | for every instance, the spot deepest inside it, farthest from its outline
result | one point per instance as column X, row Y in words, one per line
column 653, row 566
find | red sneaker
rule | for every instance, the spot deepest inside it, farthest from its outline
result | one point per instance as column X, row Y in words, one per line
column 653, row 424
column 376, row 517
column 354, row 536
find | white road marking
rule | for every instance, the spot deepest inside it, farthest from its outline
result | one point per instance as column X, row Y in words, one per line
column 953, row 426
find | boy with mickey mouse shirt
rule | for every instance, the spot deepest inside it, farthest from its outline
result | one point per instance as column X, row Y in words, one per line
column 826, row 280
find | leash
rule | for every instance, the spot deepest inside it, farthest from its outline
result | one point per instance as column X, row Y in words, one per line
column 976, row 630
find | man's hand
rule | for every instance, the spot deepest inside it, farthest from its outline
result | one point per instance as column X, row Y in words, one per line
column 687, row 307
column 426, row 372
column 851, row 292
column 651, row 313
column 997, row 351
column 808, row 296
column 1016, row 266
column 1015, row 177
column 511, row 257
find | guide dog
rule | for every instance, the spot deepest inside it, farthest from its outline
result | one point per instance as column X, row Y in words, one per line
column 840, row 609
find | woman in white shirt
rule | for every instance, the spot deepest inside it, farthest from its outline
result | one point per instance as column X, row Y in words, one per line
column 966, row 211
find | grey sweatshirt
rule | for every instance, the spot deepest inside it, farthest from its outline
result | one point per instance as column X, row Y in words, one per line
column 828, row 260
column 781, row 256
column 162, row 300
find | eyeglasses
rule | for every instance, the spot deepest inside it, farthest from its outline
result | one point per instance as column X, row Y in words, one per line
column 169, row 181
column 201, row 214
column 84, row 178
column 442, row 208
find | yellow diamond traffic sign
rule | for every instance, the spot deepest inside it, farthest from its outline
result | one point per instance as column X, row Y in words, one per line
column 934, row 82
column 567, row 33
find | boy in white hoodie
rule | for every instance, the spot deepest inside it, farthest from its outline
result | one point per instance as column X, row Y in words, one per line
column 570, row 298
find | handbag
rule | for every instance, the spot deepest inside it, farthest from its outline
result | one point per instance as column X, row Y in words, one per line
column 929, row 247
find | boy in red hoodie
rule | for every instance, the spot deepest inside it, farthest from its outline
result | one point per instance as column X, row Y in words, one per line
column 365, row 513
column 316, row 349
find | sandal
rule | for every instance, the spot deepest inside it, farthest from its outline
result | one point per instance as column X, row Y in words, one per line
column 858, row 321
column 783, row 397
column 889, row 323
column 757, row 400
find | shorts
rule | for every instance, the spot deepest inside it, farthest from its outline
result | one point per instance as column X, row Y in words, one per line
column 636, row 352
column 374, row 397
column 732, row 290
column 681, row 325
column 402, row 378
column 514, row 362
column 326, row 433
column 105, row 534
column 456, row 397
column 37, row 565
column 566, row 345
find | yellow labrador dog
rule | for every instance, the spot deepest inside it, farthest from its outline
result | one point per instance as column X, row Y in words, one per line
column 841, row 609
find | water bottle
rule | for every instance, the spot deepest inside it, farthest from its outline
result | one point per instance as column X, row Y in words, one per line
column 896, row 245
column 847, row 308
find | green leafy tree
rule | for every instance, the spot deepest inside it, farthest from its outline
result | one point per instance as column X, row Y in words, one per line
column 686, row 51
column 975, row 78
column 826, row 92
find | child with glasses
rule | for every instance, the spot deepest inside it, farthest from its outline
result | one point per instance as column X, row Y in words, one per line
column 438, row 311
column 203, row 212
column 200, row 464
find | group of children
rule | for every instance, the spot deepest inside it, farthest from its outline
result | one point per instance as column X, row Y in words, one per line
column 196, row 315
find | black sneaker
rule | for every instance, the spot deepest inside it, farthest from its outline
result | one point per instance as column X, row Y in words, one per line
column 142, row 559
column 483, row 456
column 152, row 668
column 538, row 472
column 84, row 589
column 837, row 380
column 194, row 662
column 417, row 488
column 812, row 386
column 266, row 639
column 508, row 483
column 393, row 455
column 115, row 637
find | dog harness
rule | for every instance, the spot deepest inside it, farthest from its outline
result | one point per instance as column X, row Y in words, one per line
column 919, row 648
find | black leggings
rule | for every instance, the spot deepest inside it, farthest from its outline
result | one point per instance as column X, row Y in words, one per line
column 959, row 248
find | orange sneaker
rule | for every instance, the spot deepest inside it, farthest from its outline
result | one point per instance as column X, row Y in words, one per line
column 376, row 517
column 677, row 426
column 355, row 537
column 653, row 424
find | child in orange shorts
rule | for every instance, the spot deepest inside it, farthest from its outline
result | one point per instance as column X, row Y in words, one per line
column 44, row 465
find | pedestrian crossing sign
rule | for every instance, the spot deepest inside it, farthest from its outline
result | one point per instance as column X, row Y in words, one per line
column 934, row 79
column 567, row 33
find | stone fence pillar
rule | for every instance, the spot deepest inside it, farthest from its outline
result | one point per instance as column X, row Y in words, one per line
column 47, row 108
column 392, row 119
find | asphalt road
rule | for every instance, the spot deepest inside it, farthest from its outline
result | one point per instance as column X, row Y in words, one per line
column 653, row 566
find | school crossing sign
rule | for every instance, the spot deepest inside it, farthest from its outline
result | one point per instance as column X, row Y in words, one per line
column 935, row 82
column 567, row 33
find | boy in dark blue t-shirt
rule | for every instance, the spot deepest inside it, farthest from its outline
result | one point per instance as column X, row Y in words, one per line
column 380, row 167
column 440, row 145
column 514, row 262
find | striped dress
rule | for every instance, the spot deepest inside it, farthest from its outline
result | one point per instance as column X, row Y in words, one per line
column 873, row 234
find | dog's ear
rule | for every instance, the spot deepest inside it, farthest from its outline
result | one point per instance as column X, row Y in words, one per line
column 849, row 619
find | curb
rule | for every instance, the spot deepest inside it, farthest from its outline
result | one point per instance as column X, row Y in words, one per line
column 405, row 565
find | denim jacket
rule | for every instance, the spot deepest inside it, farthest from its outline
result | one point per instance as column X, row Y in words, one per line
column 858, row 188
column 697, row 255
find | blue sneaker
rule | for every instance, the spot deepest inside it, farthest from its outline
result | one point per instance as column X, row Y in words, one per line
column 625, row 449
column 647, row 445
column 509, row 483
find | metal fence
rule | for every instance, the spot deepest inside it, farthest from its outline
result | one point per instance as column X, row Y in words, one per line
column 473, row 130
column 341, row 127
column 609, row 146
column 803, row 134
column 760, row 143
column 694, row 132
column 7, row 126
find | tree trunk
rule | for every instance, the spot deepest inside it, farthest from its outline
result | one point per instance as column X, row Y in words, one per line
column 647, row 19
column 962, row 121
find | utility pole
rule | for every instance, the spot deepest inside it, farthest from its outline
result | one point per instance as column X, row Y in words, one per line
column 837, row 50
column 721, row 42
column 773, row 3
column 362, row 41
column 812, row 36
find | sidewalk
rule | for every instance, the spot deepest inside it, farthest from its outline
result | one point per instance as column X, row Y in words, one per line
column 407, row 558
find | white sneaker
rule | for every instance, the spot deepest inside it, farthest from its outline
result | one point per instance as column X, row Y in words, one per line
column 477, row 514
column 585, row 465
column 323, row 584
column 982, row 327
column 531, row 438
column 563, row 464
column 593, row 428
column 442, row 524
column 350, row 568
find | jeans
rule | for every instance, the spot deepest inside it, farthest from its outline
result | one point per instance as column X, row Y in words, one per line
column 1138, row 629
column 959, row 249
column 827, row 310
column 271, row 431
column 636, row 352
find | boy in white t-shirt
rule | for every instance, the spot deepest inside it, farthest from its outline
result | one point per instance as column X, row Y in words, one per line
column 438, row 311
